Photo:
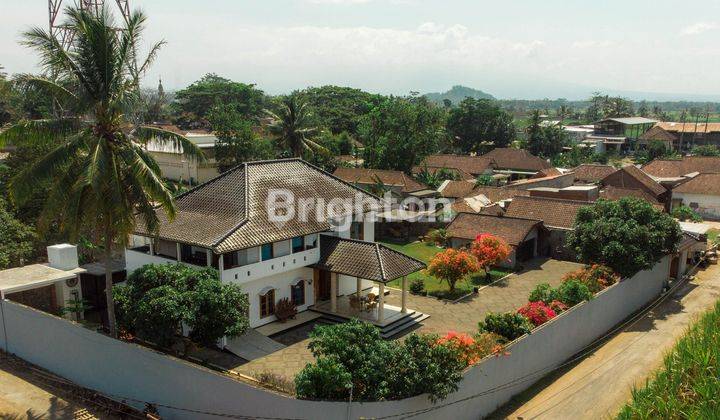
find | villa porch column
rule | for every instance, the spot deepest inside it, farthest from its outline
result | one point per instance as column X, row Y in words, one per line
column 152, row 246
column 177, row 251
column 359, row 286
column 404, row 295
column 208, row 258
column 333, row 292
column 221, row 265
column 381, row 303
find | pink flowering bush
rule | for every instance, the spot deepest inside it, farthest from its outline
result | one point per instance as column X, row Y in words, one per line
column 537, row 312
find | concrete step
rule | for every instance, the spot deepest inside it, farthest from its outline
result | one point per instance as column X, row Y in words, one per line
column 402, row 325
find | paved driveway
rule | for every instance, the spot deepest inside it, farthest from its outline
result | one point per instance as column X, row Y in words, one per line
column 506, row 295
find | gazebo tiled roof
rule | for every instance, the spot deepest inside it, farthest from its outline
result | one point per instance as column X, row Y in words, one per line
column 366, row 260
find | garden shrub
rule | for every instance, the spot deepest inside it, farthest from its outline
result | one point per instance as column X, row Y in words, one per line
column 417, row 287
column 685, row 213
column 572, row 292
column 276, row 381
column 508, row 325
column 438, row 237
column 596, row 277
column 543, row 292
column 465, row 345
column 537, row 312
column 488, row 343
column 558, row 306
column 354, row 355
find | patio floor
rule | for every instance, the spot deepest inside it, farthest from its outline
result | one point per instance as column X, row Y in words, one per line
column 506, row 295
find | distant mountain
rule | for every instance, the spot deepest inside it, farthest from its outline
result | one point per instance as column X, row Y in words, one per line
column 457, row 94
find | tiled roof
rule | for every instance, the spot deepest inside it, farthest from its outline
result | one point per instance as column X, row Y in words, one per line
column 473, row 165
column 592, row 173
column 456, row 189
column 616, row 193
column 229, row 212
column 520, row 159
column 495, row 194
column 371, row 176
column 536, row 182
column 554, row 212
column 367, row 260
column 660, row 168
column 513, row 230
column 632, row 177
column 547, row 173
column 658, row 133
column 705, row 184
column 689, row 127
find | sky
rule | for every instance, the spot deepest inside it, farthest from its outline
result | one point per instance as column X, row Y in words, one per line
column 657, row 49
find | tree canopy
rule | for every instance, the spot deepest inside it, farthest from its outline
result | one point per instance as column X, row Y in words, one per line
column 337, row 108
column 200, row 97
column 478, row 125
column 627, row 235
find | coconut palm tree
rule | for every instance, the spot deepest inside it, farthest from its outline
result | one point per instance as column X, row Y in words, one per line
column 291, row 126
column 103, row 179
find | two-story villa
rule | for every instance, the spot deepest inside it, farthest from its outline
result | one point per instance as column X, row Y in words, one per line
column 323, row 265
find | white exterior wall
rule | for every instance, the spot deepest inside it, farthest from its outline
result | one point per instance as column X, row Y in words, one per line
column 89, row 359
column 281, row 283
column 708, row 205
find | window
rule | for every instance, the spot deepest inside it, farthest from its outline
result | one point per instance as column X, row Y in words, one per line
column 311, row 241
column 267, row 252
column 356, row 231
column 297, row 293
column 298, row 244
column 267, row 303
column 230, row 260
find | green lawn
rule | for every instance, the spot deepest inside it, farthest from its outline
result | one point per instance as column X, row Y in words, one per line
column 687, row 386
column 424, row 252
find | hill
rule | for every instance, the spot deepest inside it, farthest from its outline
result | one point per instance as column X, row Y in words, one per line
column 457, row 94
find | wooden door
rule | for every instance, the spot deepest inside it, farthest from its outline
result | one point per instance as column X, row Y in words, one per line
column 322, row 285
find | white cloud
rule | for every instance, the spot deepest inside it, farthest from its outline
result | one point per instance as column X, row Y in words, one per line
column 699, row 28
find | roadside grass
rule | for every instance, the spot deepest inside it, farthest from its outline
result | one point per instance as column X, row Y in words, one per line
column 714, row 235
column 424, row 252
column 687, row 386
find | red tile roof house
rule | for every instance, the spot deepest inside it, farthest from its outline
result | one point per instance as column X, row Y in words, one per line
column 633, row 178
column 517, row 163
column 591, row 173
column 466, row 167
column 224, row 223
column 523, row 235
column 558, row 217
column 400, row 184
column 701, row 193
column 670, row 172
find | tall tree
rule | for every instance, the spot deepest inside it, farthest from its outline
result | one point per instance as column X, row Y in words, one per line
column 339, row 109
column 477, row 125
column 200, row 97
column 236, row 139
column 102, row 177
column 400, row 132
column 291, row 126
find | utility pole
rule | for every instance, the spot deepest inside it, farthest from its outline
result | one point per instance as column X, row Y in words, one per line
column 63, row 32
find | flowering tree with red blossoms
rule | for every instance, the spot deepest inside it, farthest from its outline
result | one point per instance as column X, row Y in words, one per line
column 537, row 312
column 489, row 251
column 452, row 266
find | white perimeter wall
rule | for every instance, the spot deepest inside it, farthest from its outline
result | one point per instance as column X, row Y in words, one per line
column 128, row 371
column 709, row 205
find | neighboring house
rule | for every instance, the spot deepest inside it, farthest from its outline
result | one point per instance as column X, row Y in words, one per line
column 397, row 182
column 657, row 133
column 486, row 200
column 517, row 163
column 691, row 134
column 578, row 133
column 455, row 189
column 617, row 134
column 701, row 193
column 615, row 193
column 633, row 178
column 523, row 235
column 464, row 167
column 552, row 181
column 670, row 172
column 224, row 223
column 591, row 173
column 558, row 217
column 177, row 167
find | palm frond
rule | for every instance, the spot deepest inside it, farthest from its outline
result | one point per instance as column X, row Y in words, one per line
column 47, row 85
column 145, row 134
column 34, row 131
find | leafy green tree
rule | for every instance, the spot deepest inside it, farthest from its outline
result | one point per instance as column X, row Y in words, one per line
column 484, row 180
column 477, row 125
column 236, row 140
column 339, row 109
column 627, row 235
column 706, row 150
column 684, row 213
column 326, row 379
column 8, row 95
column 16, row 240
column 200, row 97
column 542, row 141
column 400, row 132
column 100, row 173
column 157, row 299
column 292, row 127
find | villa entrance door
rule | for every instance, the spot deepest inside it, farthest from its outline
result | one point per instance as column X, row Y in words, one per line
column 322, row 285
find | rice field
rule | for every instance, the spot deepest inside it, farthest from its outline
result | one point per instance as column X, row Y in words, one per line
column 688, row 384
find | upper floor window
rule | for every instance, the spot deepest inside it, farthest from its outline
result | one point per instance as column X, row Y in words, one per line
column 297, row 293
column 311, row 241
column 267, row 252
column 298, row 244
